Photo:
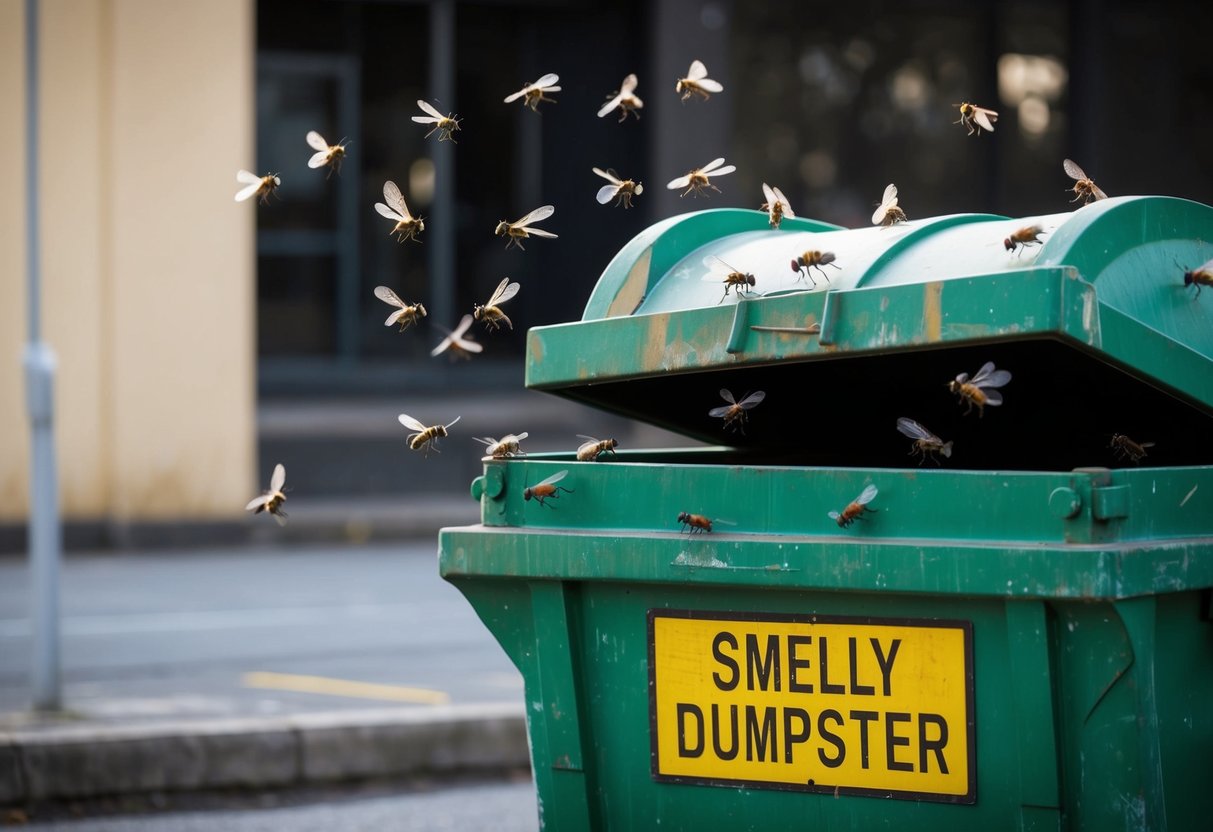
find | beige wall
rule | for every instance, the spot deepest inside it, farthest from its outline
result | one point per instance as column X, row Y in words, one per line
column 148, row 264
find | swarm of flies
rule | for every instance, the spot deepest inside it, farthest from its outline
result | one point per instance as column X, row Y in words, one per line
column 888, row 213
column 592, row 448
column 445, row 126
column 504, row 448
column 1202, row 276
column 406, row 314
column 814, row 259
column 1126, row 448
column 455, row 343
column 1029, row 235
column 532, row 94
column 1084, row 188
column 262, row 187
column 271, row 501
column 975, row 119
column 407, row 226
column 425, row 438
column 698, row 180
column 855, row 509
column 518, row 230
column 776, row 205
column 621, row 190
column 547, row 489
column 697, row 83
column 491, row 312
column 330, row 155
column 926, row 444
column 625, row 99
column 981, row 389
column 734, row 413
column 732, row 278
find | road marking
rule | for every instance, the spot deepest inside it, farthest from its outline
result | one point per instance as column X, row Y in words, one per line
column 343, row 687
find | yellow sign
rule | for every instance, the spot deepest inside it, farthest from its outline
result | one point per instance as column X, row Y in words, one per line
column 867, row 706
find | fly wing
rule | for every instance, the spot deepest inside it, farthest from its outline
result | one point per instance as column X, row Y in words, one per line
column 610, row 105
column 980, row 376
column 697, row 70
column 280, row 518
column 868, row 495
column 752, row 400
column 395, row 317
column 629, row 85
column 709, row 85
column 607, row 175
column 316, row 141
column 993, row 397
column 680, row 182
column 985, row 118
column 555, row 478
column 469, row 346
column 464, row 323
column 385, row 211
column 539, row 232
column 727, row 395
column 585, row 446
column 505, row 291
column 388, row 296
column 1072, row 169
column 1206, row 267
column 712, row 165
column 394, row 198
column 246, row 192
column 410, row 423
column 547, row 81
column 783, row 200
column 319, row 159
column 516, row 95
column 718, row 412
column 1098, row 191
column 606, row 193
column 724, row 170
column 278, row 479
column 890, row 195
column 247, row 177
column 442, row 346
column 910, row 428
column 998, row 378
column 540, row 213
column 429, row 108
column 256, row 501
column 768, row 195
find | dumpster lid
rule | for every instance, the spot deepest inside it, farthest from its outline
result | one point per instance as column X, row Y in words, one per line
column 1095, row 324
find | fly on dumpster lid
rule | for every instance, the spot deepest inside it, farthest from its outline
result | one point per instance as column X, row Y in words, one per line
column 856, row 508
column 547, row 489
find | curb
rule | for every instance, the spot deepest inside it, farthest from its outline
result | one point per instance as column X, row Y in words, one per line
column 70, row 762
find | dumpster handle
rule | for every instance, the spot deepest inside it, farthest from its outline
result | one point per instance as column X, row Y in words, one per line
column 739, row 330
column 829, row 317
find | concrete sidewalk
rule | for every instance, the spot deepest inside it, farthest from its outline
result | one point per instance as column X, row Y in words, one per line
column 53, row 760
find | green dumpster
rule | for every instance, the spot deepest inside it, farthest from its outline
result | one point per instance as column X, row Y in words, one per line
column 1015, row 636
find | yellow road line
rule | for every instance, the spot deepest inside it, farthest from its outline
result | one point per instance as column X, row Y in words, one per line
column 343, row 687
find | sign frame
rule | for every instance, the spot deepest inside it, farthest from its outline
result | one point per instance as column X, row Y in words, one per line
column 966, row 626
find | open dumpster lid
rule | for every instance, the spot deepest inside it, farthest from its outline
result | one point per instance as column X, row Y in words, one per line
column 1095, row 324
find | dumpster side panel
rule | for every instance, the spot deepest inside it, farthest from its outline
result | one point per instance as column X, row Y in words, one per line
column 1135, row 678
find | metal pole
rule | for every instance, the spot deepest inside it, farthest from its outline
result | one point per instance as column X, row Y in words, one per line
column 442, row 241
column 39, row 362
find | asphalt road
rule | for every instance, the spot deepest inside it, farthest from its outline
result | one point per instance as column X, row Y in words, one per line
column 255, row 631
column 501, row 807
